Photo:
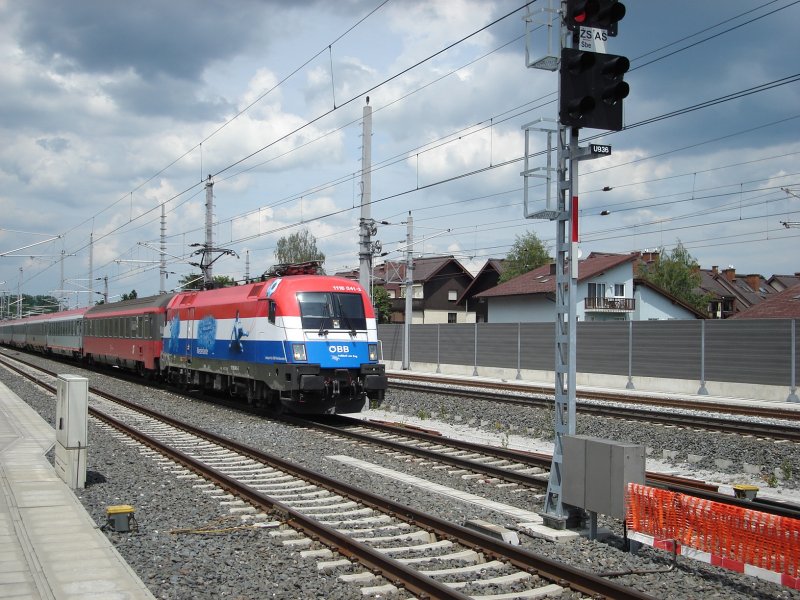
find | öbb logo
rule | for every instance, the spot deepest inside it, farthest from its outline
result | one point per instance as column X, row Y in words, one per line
column 338, row 349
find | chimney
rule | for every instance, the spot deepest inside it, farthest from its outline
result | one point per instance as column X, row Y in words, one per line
column 729, row 273
column 650, row 256
column 715, row 270
column 552, row 268
column 754, row 281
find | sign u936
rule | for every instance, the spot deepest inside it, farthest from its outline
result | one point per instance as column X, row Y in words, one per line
column 599, row 149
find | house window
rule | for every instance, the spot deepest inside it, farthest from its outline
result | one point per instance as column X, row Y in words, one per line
column 597, row 290
column 452, row 295
column 451, row 317
column 619, row 290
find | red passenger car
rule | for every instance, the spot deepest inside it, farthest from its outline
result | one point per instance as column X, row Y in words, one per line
column 126, row 334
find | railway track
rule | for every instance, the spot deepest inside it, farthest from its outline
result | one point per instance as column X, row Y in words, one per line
column 423, row 554
column 495, row 463
column 498, row 463
column 690, row 416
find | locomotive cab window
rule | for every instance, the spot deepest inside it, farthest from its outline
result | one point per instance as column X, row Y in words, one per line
column 273, row 310
column 331, row 310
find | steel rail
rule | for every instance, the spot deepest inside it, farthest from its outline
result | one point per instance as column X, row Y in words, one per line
column 683, row 485
column 561, row 574
column 718, row 424
column 417, row 583
column 673, row 483
column 630, row 397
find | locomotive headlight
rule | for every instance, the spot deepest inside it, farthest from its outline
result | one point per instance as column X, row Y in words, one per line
column 373, row 352
column 299, row 352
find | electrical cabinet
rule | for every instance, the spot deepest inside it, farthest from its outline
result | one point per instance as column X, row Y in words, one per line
column 72, row 416
column 596, row 473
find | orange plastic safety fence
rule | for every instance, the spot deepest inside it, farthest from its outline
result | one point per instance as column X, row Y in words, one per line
column 749, row 536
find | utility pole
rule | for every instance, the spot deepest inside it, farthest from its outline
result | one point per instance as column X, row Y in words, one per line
column 162, row 271
column 206, row 260
column 409, row 292
column 366, row 224
column 19, row 295
column 61, row 287
column 91, row 269
column 247, row 266
column 207, row 250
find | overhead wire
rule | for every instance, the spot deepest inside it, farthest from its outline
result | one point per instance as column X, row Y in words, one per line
column 674, row 113
column 236, row 116
column 308, row 123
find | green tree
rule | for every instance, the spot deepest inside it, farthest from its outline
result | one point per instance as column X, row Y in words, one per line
column 382, row 304
column 677, row 272
column 527, row 253
column 298, row 247
column 194, row 281
column 130, row 296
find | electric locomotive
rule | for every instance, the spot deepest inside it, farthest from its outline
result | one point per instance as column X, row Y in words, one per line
column 302, row 343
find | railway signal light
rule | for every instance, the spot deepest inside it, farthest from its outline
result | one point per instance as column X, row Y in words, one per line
column 576, row 100
column 599, row 14
column 592, row 89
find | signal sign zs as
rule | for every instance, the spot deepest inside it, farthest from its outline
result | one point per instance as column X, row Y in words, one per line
column 593, row 39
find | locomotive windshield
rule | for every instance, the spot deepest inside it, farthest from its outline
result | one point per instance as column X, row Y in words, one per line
column 331, row 310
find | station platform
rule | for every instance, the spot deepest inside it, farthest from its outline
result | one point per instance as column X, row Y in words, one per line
column 50, row 548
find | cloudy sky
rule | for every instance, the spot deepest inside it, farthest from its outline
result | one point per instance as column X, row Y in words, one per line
column 110, row 109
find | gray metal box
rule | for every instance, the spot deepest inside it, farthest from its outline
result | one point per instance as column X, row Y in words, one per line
column 596, row 473
column 72, row 411
column 72, row 415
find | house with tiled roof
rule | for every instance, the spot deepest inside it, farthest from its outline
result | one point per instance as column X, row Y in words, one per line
column 780, row 305
column 438, row 282
column 782, row 282
column 486, row 278
column 732, row 293
column 608, row 290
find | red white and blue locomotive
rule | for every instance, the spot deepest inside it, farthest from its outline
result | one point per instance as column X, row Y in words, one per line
column 303, row 343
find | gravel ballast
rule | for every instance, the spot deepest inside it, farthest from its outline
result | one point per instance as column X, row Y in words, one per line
column 249, row 563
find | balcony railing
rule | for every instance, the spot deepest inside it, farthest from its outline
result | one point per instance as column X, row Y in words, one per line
column 610, row 304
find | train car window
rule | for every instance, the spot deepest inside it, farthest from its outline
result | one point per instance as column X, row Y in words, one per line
column 146, row 330
column 325, row 310
column 273, row 310
column 351, row 309
column 315, row 309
